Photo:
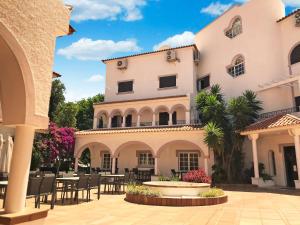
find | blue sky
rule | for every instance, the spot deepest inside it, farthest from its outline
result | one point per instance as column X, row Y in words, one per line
column 109, row 28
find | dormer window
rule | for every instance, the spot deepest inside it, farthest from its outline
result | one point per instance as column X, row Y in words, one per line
column 237, row 67
column 235, row 28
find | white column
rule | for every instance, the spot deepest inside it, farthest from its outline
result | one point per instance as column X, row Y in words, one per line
column 95, row 122
column 76, row 165
column 297, row 148
column 253, row 138
column 206, row 164
column 156, row 171
column 124, row 121
column 138, row 122
column 109, row 122
column 153, row 119
column 170, row 119
column 113, row 165
column 19, row 169
column 187, row 117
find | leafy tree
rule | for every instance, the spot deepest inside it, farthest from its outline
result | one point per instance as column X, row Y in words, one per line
column 66, row 115
column 222, row 125
column 57, row 97
column 85, row 113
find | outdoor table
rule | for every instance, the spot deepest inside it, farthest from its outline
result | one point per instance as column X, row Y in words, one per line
column 67, row 181
column 113, row 177
column 3, row 184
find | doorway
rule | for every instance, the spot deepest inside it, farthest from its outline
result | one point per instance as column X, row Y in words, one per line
column 164, row 118
column 290, row 165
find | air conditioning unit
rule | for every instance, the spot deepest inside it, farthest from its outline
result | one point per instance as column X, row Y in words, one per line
column 197, row 56
column 122, row 64
column 297, row 17
column 171, row 56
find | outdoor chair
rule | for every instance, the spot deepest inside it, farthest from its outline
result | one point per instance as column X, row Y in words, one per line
column 119, row 185
column 95, row 183
column 126, row 170
column 48, row 188
column 82, row 185
column 33, row 189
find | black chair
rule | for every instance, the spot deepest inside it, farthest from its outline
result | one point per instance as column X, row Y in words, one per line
column 126, row 170
column 82, row 185
column 48, row 188
column 95, row 183
column 33, row 189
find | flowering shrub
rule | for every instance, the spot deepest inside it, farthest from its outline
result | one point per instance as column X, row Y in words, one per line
column 212, row 193
column 197, row 176
column 141, row 190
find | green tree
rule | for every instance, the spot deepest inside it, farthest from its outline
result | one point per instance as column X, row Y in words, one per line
column 57, row 97
column 222, row 125
column 66, row 115
column 85, row 113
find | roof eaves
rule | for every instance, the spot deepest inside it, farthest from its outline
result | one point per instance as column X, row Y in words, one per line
column 287, row 16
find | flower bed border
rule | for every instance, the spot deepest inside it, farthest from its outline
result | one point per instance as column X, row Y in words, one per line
column 161, row 201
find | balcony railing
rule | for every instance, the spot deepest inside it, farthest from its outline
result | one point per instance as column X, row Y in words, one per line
column 145, row 124
column 279, row 112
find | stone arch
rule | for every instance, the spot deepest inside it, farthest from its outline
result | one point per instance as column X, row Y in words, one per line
column 174, row 107
column 164, row 107
column 127, row 111
column 294, row 54
column 116, row 111
column 102, row 112
column 119, row 148
column 194, row 145
column 80, row 149
column 17, row 90
column 144, row 109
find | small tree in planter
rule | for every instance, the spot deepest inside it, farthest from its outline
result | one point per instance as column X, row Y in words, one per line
column 197, row 176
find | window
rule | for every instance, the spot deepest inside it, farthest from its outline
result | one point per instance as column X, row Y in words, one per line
column 125, row 86
column 235, row 29
column 168, row 81
column 188, row 161
column 203, row 83
column 237, row 68
column 272, row 164
column 106, row 161
column 295, row 55
column 145, row 159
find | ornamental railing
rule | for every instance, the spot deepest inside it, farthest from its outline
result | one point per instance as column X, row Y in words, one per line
column 279, row 112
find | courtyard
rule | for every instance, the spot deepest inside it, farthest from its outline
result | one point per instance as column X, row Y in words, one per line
column 246, row 205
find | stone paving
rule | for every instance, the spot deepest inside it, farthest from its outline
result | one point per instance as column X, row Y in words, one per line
column 246, row 205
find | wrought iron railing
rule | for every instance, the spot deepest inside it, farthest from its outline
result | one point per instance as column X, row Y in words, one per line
column 145, row 124
column 279, row 112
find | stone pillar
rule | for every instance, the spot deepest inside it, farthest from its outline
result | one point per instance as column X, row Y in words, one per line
column 253, row 138
column 124, row 121
column 138, row 122
column 156, row 171
column 95, row 123
column 170, row 119
column 153, row 119
column 187, row 117
column 297, row 149
column 76, row 165
column 109, row 122
column 19, row 169
column 206, row 164
column 113, row 165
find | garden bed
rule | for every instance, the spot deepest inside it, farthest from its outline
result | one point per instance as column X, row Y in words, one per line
column 175, row 201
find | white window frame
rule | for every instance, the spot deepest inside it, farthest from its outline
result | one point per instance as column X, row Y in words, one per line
column 237, row 68
column 235, row 29
column 188, row 166
column 106, row 161
column 147, row 161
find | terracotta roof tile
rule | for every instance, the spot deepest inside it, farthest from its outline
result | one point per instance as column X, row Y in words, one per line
column 140, row 130
column 274, row 122
column 147, row 53
column 287, row 16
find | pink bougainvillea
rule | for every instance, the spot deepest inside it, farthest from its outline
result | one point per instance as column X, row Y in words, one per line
column 197, row 176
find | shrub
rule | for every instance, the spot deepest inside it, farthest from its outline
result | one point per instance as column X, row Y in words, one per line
column 212, row 193
column 141, row 190
column 173, row 178
column 196, row 176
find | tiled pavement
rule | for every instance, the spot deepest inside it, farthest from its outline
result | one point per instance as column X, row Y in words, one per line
column 245, row 206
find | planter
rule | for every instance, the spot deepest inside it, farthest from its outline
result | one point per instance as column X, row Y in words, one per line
column 154, row 178
column 262, row 183
column 297, row 184
column 175, row 201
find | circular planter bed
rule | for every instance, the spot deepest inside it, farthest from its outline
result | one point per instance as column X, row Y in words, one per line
column 174, row 201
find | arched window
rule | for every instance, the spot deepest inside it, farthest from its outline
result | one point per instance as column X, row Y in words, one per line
column 237, row 67
column 272, row 163
column 235, row 28
column 295, row 55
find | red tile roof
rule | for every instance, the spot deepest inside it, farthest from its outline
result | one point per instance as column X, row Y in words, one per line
column 274, row 122
column 287, row 16
column 147, row 53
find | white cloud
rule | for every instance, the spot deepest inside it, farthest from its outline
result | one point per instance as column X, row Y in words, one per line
column 216, row 8
column 88, row 49
column 292, row 3
column 128, row 10
column 73, row 96
column 95, row 78
column 186, row 38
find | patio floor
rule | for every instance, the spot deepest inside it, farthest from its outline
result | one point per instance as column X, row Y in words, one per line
column 246, row 205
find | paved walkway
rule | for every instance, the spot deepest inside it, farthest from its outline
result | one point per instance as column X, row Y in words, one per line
column 245, row 206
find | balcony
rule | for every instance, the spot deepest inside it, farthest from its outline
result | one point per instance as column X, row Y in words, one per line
column 166, row 111
column 279, row 112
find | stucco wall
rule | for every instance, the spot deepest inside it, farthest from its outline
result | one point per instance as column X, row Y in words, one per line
column 145, row 71
column 35, row 24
